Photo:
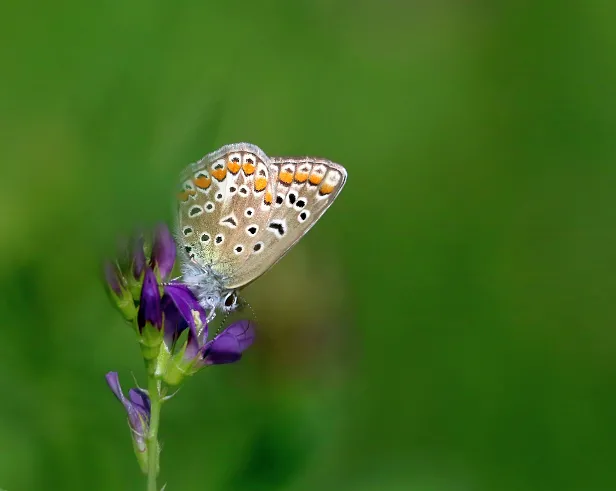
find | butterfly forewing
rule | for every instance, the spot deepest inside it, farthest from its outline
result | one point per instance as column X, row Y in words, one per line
column 223, row 194
column 304, row 189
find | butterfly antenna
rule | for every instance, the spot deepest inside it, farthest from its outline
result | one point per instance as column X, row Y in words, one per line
column 245, row 302
column 222, row 323
column 254, row 314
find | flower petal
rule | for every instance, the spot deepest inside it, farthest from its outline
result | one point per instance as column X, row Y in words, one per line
column 244, row 331
column 163, row 251
column 137, row 408
column 138, row 256
column 149, row 305
column 112, row 275
column 114, row 384
column 179, row 302
column 228, row 346
column 173, row 320
column 141, row 400
column 192, row 343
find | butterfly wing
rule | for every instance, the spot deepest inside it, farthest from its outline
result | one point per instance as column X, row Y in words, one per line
column 222, row 195
column 304, row 188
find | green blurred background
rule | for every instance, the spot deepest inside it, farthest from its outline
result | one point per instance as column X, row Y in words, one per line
column 447, row 326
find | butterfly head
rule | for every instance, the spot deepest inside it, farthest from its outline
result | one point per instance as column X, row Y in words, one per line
column 226, row 301
column 230, row 301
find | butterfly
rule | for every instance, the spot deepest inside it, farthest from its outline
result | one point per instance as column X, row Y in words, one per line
column 239, row 212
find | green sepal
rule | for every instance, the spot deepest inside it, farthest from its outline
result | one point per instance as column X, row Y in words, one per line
column 178, row 368
column 140, row 446
column 162, row 362
column 151, row 339
column 125, row 304
column 142, row 457
column 134, row 286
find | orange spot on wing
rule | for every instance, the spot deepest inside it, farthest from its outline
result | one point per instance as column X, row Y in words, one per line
column 268, row 198
column 286, row 177
column 260, row 183
column 315, row 179
column 219, row 174
column 249, row 168
column 202, row 182
column 184, row 195
column 301, row 177
column 326, row 189
column 234, row 167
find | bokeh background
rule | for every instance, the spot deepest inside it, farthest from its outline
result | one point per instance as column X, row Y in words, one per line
column 449, row 325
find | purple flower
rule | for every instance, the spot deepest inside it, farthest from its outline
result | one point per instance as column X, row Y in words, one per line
column 164, row 310
column 229, row 345
column 133, row 279
column 118, row 290
column 137, row 407
column 138, row 256
column 113, row 277
column 163, row 251
column 149, row 303
column 197, row 353
column 178, row 305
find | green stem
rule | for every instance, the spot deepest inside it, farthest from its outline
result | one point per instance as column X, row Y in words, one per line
column 152, row 440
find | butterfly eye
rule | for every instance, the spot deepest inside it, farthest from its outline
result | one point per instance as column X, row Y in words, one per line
column 231, row 300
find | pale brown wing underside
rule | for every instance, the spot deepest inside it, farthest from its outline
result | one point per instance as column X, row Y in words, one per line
column 240, row 211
